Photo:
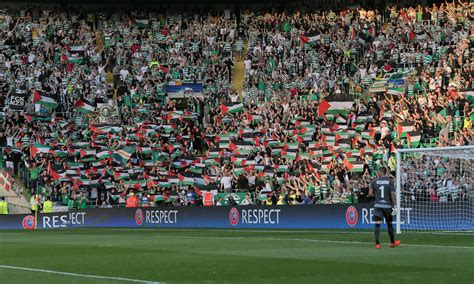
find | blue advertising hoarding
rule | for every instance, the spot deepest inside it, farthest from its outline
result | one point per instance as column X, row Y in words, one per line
column 343, row 216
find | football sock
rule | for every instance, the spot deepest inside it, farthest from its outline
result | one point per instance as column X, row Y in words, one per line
column 377, row 233
column 390, row 232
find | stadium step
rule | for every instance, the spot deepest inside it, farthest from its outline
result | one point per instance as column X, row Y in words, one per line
column 238, row 72
column 17, row 202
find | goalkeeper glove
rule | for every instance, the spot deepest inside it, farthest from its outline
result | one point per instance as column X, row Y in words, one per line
column 394, row 211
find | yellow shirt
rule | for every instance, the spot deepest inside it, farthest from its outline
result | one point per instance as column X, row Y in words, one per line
column 467, row 123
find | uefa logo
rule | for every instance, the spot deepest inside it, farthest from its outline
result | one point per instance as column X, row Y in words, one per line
column 234, row 216
column 351, row 216
column 28, row 222
column 139, row 217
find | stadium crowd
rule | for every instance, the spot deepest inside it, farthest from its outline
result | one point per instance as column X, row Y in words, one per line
column 327, row 97
column 429, row 178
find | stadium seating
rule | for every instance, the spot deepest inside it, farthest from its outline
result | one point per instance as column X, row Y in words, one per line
column 99, row 104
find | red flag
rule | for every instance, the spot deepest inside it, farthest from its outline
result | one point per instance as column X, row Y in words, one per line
column 399, row 129
column 257, row 142
column 382, row 110
column 232, row 146
column 348, row 164
column 224, row 109
column 54, row 174
column 36, row 96
column 323, row 107
column 149, row 184
column 304, row 39
column 249, row 168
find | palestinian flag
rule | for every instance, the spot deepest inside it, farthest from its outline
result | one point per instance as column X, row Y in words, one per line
column 414, row 138
column 335, row 104
column 75, row 59
column 361, row 118
column 103, row 155
column 344, row 143
column 34, row 117
column 39, row 148
column 281, row 168
column 145, row 150
column 137, row 184
column 232, row 109
column 121, row 175
column 367, row 135
column 44, row 100
column 55, row 175
column 84, row 106
column 290, row 155
column 140, row 22
column 354, row 166
column 405, row 127
column 311, row 37
column 87, row 152
column 185, row 179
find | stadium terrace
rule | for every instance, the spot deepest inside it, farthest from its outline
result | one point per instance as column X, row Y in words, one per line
column 105, row 108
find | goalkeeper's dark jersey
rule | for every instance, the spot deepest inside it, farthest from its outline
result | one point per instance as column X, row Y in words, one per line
column 383, row 188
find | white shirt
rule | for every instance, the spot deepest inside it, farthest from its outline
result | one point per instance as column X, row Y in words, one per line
column 31, row 57
column 248, row 64
column 123, row 74
column 226, row 181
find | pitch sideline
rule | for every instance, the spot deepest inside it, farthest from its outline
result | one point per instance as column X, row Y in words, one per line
column 123, row 279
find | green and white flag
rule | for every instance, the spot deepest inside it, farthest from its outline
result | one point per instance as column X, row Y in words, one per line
column 124, row 154
column 397, row 91
column 75, row 59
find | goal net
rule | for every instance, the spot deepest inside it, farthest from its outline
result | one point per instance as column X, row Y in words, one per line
column 435, row 189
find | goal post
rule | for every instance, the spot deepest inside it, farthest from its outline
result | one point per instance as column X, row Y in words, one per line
column 435, row 189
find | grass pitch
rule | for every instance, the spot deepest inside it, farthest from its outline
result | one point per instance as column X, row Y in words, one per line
column 231, row 256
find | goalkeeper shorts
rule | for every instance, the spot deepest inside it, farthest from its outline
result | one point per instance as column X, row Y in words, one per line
column 382, row 213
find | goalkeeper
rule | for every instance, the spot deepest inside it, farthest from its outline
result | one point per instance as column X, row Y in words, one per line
column 385, row 205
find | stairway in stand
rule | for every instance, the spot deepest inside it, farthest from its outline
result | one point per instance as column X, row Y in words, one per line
column 238, row 72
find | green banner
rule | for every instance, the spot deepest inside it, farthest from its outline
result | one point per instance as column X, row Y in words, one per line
column 238, row 197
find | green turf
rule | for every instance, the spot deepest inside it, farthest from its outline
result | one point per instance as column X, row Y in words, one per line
column 229, row 256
